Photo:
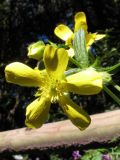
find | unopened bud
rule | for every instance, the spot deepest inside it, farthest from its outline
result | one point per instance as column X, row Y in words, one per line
column 36, row 50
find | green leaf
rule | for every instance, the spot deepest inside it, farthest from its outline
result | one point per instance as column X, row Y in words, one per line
column 92, row 155
column 97, row 156
column 86, row 157
column 80, row 50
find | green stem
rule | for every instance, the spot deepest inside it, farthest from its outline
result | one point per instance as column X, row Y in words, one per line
column 111, row 69
column 111, row 94
column 75, row 62
column 96, row 62
column 115, row 85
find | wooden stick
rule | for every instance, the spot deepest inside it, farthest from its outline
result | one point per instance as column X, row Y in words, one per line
column 103, row 128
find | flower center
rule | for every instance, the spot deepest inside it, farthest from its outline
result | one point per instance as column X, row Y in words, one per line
column 55, row 90
column 50, row 88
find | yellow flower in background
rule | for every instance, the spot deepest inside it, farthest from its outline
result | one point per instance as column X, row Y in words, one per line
column 66, row 34
column 53, row 86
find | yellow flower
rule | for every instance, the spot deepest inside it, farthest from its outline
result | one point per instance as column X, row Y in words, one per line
column 65, row 33
column 53, row 86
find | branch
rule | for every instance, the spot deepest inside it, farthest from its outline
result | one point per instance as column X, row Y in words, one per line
column 103, row 128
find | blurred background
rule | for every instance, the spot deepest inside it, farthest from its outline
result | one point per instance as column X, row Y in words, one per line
column 23, row 22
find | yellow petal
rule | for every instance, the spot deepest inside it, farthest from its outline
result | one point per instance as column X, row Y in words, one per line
column 37, row 112
column 86, row 82
column 21, row 74
column 80, row 21
column 74, row 112
column 99, row 36
column 63, row 32
column 36, row 50
column 56, row 61
column 90, row 39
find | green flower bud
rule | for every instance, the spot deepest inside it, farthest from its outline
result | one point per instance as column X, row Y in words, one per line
column 36, row 50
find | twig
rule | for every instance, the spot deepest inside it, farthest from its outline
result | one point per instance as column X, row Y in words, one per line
column 103, row 128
